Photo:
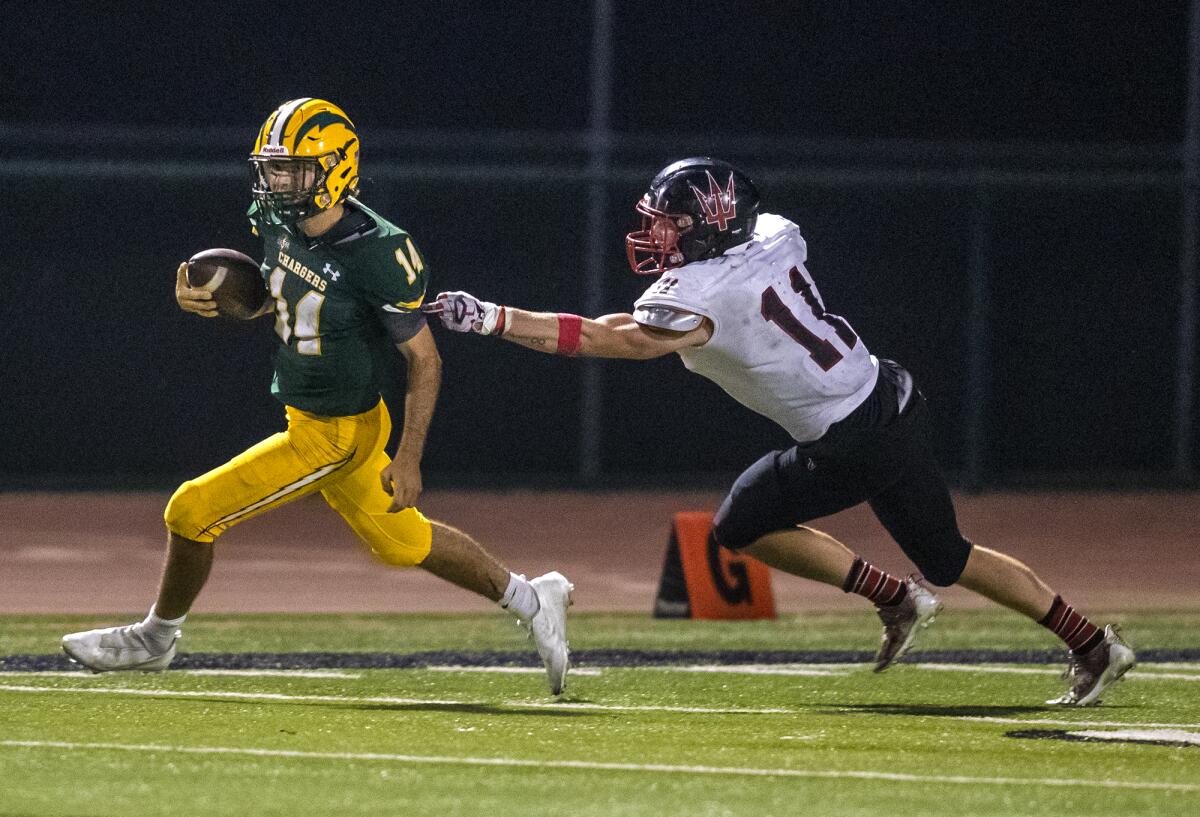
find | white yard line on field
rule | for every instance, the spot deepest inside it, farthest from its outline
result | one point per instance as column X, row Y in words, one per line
column 343, row 699
column 847, row 669
column 987, row 668
column 1142, row 673
column 763, row 669
column 601, row 766
column 1159, row 736
column 1138, row 673
column 547, row 705
column 249, row 673
column 274, row 673
column 508, row 670
column 1077, row 724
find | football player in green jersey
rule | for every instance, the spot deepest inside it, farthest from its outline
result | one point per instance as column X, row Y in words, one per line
column 342, row 280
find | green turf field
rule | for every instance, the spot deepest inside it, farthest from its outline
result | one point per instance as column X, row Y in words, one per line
column 697, row 738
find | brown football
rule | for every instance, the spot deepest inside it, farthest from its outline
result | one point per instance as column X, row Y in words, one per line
column 232, row 277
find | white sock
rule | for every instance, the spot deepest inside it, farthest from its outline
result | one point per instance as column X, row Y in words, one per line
column 520, row 598
column 161, row 630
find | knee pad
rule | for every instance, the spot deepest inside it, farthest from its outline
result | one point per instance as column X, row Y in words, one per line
column 943, row 565
column 728, row 535
column 184, row 514
column 401, row 539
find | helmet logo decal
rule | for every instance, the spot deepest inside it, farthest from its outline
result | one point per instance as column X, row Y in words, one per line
column 719, row 205
column 318, row 121
column 274, row 150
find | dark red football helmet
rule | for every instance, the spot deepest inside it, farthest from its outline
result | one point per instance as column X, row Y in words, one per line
column 695, row 209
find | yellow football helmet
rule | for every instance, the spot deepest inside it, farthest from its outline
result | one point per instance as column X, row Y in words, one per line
column 305, row 159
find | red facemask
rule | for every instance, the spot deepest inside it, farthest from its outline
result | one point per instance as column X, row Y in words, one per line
column 654, row 249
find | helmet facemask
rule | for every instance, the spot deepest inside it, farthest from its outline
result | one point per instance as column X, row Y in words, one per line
column 292, row 187
column 654, row 249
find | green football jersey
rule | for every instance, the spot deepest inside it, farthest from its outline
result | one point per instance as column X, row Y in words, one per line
column 338, row 298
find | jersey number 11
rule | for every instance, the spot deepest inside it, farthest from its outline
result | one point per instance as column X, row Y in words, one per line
column 774, row 310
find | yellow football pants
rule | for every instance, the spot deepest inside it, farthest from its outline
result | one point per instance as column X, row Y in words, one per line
column 339, row 456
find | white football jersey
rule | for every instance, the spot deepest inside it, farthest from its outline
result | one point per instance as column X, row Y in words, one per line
column 774, row 348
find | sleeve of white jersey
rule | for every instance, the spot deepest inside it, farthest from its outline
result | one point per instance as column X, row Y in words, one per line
column 673, row 302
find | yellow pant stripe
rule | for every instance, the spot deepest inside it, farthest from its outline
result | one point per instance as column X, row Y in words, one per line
column 308, row 479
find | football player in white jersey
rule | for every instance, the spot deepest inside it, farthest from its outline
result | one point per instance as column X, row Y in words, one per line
column 734, row 300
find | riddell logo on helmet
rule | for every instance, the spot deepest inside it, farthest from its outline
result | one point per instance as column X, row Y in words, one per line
column 274, row 150
column 718, row 205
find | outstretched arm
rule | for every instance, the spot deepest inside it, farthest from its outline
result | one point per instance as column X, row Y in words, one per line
column 617, row 335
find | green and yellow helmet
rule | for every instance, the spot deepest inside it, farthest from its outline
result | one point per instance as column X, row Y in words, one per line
column 305, row 159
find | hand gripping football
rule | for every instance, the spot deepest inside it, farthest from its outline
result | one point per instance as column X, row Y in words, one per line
column 232, row 277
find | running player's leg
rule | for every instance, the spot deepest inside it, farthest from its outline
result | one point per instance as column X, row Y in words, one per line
column 763, row 512
column 203, row 508
column 407, row 538
column 184, row 574
column 284, row 467
column 460, row 560
column 919, row 514
column 781, row 490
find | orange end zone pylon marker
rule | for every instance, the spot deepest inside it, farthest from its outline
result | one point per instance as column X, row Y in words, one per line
column 702, row 580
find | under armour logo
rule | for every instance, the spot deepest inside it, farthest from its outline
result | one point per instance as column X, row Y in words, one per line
column 718, row 205
column 331, row 272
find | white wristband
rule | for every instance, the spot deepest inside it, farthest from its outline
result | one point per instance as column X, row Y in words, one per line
column 491, row 314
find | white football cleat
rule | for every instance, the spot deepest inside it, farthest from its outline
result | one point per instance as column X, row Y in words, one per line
column 902, row 622
column 549, row 627
column 1096, row 670
column 118, row 648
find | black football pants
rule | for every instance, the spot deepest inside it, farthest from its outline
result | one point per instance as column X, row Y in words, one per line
column 878, row 455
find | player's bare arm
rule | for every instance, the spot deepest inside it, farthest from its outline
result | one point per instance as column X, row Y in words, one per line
column 402, row 477
column 616, row 336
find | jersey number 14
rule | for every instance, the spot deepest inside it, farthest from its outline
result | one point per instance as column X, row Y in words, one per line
column 774, row 310
column 306, row 326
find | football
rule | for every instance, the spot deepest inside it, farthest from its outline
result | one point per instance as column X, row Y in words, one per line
column 232, row 277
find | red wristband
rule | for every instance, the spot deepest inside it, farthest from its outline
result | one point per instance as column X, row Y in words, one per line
column 501, row 322
column 570, row 327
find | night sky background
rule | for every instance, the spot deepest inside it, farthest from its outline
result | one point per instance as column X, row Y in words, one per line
column 105, row 383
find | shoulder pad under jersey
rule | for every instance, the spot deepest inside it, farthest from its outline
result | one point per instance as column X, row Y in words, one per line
column 663, row 317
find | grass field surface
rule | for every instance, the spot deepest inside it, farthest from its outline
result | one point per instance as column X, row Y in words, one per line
column 285, row 715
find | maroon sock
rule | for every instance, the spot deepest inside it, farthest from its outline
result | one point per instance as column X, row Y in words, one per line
column 1080, row 634
column 867, row 580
